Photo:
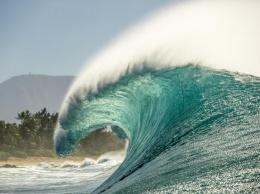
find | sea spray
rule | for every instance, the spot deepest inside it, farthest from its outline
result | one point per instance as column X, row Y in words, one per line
column 218, row 34
column 191, row 126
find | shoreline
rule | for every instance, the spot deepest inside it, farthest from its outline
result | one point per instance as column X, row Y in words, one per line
column 31, row 161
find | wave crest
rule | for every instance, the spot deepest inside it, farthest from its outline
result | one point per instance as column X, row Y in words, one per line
column 218, row 34
column 148, row 86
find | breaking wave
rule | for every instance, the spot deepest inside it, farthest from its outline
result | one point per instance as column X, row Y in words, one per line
column 184, row 89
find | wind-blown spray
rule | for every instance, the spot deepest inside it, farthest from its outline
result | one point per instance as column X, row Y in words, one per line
column 171, row 86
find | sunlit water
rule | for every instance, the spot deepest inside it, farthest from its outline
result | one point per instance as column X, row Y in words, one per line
column 68, row 177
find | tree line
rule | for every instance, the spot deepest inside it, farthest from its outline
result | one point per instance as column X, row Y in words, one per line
column 33, row 136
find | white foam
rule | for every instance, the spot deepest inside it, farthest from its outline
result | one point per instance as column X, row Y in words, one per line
column 46, row 165
column 87, row 162
column 117, row 156
column 222, row 34
column 69, row 164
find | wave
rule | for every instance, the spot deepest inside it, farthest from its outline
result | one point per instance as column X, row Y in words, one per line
column 191, row 125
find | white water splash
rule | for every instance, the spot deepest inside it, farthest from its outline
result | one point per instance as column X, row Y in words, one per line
column 218, row 34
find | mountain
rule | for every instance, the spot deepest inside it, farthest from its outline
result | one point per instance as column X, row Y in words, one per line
column 33, row 93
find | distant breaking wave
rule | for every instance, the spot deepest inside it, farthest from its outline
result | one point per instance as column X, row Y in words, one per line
column 184, row 89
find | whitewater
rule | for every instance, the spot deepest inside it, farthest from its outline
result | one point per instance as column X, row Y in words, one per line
column 67, row 177
column 183, row 87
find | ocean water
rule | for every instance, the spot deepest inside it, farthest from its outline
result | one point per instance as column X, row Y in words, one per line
column 183, row 87
column 69, row 177
column 190, row 129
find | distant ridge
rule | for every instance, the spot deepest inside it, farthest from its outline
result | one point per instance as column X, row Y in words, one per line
column 32, row 92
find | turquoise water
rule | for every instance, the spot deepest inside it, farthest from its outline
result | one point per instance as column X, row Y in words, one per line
column 190, row 129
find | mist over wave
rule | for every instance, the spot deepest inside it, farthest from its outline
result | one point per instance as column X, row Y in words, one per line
column 218, row 34
column 183, row 87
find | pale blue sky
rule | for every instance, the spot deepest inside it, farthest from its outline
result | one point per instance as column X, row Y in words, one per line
column 55, row 37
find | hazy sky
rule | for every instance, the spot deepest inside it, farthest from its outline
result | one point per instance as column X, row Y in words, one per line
column 56, row 37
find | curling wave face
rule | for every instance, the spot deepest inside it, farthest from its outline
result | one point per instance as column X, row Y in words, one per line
column 190, row 127
column 199, row 119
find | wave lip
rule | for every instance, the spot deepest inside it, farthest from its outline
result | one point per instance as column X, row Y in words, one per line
column 166, row 91
column 62, row 143
column 168, row 110
column 217, row 34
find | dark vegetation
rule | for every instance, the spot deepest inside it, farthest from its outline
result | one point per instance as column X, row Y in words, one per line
column 33, row 136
